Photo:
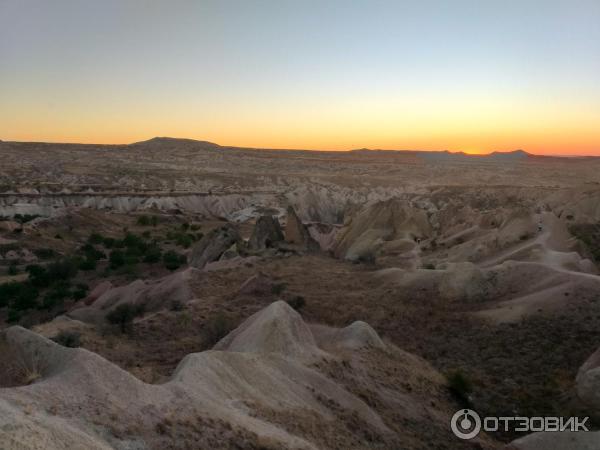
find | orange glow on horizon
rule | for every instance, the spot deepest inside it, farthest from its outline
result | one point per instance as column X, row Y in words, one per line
column 391, row 124
column 563, row 148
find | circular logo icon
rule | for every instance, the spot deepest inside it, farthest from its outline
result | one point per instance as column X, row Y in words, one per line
column 465, row 424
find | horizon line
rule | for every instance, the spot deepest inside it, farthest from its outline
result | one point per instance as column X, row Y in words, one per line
column 454, row 152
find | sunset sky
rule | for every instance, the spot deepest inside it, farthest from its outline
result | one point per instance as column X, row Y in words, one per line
column 476, row 76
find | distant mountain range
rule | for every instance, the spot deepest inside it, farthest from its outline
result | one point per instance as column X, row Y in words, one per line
column 431, row 156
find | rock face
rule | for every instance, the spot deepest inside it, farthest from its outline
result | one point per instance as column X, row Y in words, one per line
column 266, row 234
column 297, row 234
column 97, row 292
column 557, row 441
column 213, row 245
column 356, row 336
column 152, row 295
column 242, row 394
column 276, row 329
column 588, row 381
column 324, row 234
column 391, row 227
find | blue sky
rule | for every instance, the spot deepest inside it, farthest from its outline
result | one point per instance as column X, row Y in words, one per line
column 462, row 75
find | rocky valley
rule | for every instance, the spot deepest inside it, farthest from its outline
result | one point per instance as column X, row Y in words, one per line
column 176, row 294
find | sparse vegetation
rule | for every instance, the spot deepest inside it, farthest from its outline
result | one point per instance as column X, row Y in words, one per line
column 123, row 315
column 71, row 339
column 116, row 259
column 24, row 218
column 44, row 253
column 96, row 238
column 146, row 221
column 56, row 295
column 278, row 288
column 80, row 291
column 181, row 238
column 20, row 366
column 297, row 302
column 13, row 269
column 215, row 329
column 153, row 254
column 589, row 234
column 460, row 385
column 18, row 295
column 173, row 260
column 176, row 305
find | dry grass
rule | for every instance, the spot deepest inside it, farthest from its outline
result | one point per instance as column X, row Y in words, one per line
column 20, row 367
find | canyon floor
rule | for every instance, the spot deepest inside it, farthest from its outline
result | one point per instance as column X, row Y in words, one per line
column 179, row 294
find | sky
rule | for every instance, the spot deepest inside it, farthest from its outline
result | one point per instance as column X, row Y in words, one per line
column 461, row 75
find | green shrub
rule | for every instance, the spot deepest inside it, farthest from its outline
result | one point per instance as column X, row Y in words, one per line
column 13, row 269
column 460, row 385
column 63, row 269
column 18, row 295
column 368, row 257
column 13, row 316
column 80, row 291
column 38, row 275
column 130, row 270
column 96, row 238
column 123, row 315
column 589, row 234
column 26, row 297
column 215, row 329
column 131, row 260
column 297, row 302
column 173, row 260
column 88, row 264
column 278, row 288
column 177, row 305
column 91, row 252
column 71, row 339
column 184, row 240
column 133, row 241
column 109, row 242
column 181, row 238
column 44, row 253
column 8, row 291
column 56, row 295
column 153, row 254
column 24, row 218
column 116, row 259
column 143, row 221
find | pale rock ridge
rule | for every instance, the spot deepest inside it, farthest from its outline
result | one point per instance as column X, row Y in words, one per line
column 213, row 244
column 260, row 365
column 151, row 294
